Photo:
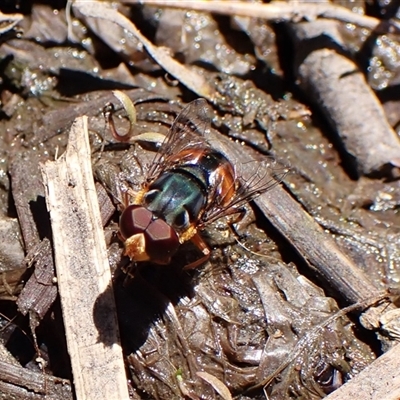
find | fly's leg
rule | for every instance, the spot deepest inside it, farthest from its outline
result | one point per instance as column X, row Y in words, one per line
column 236, row 217
column 202, row 246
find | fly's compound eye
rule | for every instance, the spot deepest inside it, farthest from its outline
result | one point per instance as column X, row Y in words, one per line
column 159, row 240
column 162, row 242
column 134, row 219
column 182, row 220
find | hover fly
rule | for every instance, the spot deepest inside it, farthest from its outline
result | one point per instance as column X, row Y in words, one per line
column 187, row 186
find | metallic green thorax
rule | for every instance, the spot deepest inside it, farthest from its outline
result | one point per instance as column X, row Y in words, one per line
column 178, row 197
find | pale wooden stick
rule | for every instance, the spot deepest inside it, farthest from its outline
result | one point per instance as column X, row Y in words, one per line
column 83, row 272
column 278, row 11
column 379, row 381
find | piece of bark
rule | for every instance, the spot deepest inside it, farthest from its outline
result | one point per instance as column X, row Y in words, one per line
column 40, row 292
column 17, row 382
column 107, row 208
column 28, row 193
column 333, row 82
column 83, row 272
column 379, row 381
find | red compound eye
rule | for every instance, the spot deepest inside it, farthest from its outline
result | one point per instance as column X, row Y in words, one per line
column 162, row 242
column 134, row 219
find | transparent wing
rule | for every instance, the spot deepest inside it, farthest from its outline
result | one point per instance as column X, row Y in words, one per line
column 186, row 132
column 252, row 179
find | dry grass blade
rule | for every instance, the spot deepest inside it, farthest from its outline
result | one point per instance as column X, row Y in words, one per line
column 186, row 76
column 9, row 21
column 279, row 11
column 216, row 384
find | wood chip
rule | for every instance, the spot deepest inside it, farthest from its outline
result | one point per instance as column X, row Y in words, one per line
column 379, row 381
column 83, row 272
column 40, row 292
column 334, row 83
column 17, row 382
